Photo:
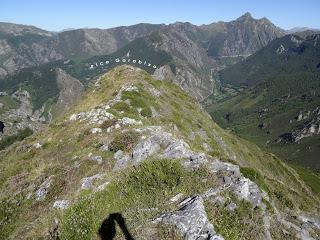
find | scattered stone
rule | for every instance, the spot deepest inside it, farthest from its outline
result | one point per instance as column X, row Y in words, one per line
column 231, row 206
column 227, row 180
column 154, row 113
column 217, row 166
column 104, row 148
column 176, row 198
column 102, row 186
column 43, row 189
column 129, row 121
column 87, row 182
column 97, row 159
column 206, row 147
column 311, row 220
column 94, row 116
column 131, row 89
column 127, row 101
column 61, row 204
column 37, row 145
column 29, row 196
column 219, row 200
column 95, row 130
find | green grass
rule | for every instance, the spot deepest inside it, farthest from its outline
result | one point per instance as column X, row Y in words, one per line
column 244, row 222
column 148, row 185
column 309, row 177
column 140, row 100
column 121, row 106
column 140, row 193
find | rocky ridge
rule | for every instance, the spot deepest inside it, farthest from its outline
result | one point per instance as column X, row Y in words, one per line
column 112, row 140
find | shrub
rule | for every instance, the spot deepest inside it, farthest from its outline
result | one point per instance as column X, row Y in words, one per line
column 124, row 141
column 108, row 123
column 146, row 112
column 121, row 106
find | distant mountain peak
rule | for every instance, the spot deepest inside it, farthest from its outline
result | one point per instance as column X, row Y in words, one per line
column 245, row 16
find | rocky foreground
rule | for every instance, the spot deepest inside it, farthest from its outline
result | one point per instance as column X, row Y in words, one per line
column 144, row 149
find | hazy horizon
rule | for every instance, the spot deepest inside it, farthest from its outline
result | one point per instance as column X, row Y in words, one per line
column 61, row 15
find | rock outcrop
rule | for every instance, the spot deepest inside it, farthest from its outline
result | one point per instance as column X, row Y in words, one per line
column 191, row 220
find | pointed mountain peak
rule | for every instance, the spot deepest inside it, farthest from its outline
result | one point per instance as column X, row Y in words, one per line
column 245, row 16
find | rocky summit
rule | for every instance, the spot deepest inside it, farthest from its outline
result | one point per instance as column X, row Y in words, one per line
column 143, row 154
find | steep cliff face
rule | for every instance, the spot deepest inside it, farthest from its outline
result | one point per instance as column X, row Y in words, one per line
column 200, row 51
column 142, row 153
column 241, row 37
column 192, row 66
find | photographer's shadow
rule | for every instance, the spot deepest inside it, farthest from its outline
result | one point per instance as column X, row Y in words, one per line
column 107, row 231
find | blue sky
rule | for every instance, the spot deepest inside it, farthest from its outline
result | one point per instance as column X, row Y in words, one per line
column 56, row 15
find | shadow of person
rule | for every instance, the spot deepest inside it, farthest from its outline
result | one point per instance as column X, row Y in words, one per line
column 107, row 230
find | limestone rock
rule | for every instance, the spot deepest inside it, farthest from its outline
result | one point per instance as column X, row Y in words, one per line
column 191, row 220
column 95, row 130
column 248, row 190
column 61, row 204
column 87, row 182
column 43, row 189
column 96, row 158
column 122, row 160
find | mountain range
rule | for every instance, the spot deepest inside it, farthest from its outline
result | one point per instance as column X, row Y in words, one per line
column 166, row 130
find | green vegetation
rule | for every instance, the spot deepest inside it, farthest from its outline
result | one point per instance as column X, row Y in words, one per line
column 149, row 185
column 141, row 192
column 8, row 140
column 121, row 106
column 244, row 222
column 124, row 141
column 255, row 176
column 309, row 177
column 108, row 123
column 140, row 100
column 269, row 90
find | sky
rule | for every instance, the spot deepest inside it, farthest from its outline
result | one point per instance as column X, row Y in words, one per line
column 56, row 15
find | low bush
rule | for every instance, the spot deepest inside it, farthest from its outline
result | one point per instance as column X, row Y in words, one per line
column 124, row 141
column 108, row 123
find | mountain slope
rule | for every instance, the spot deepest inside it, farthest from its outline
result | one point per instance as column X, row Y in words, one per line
column 136, row 147
column 238, row 39
column 272, row 98
column 26, row 46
